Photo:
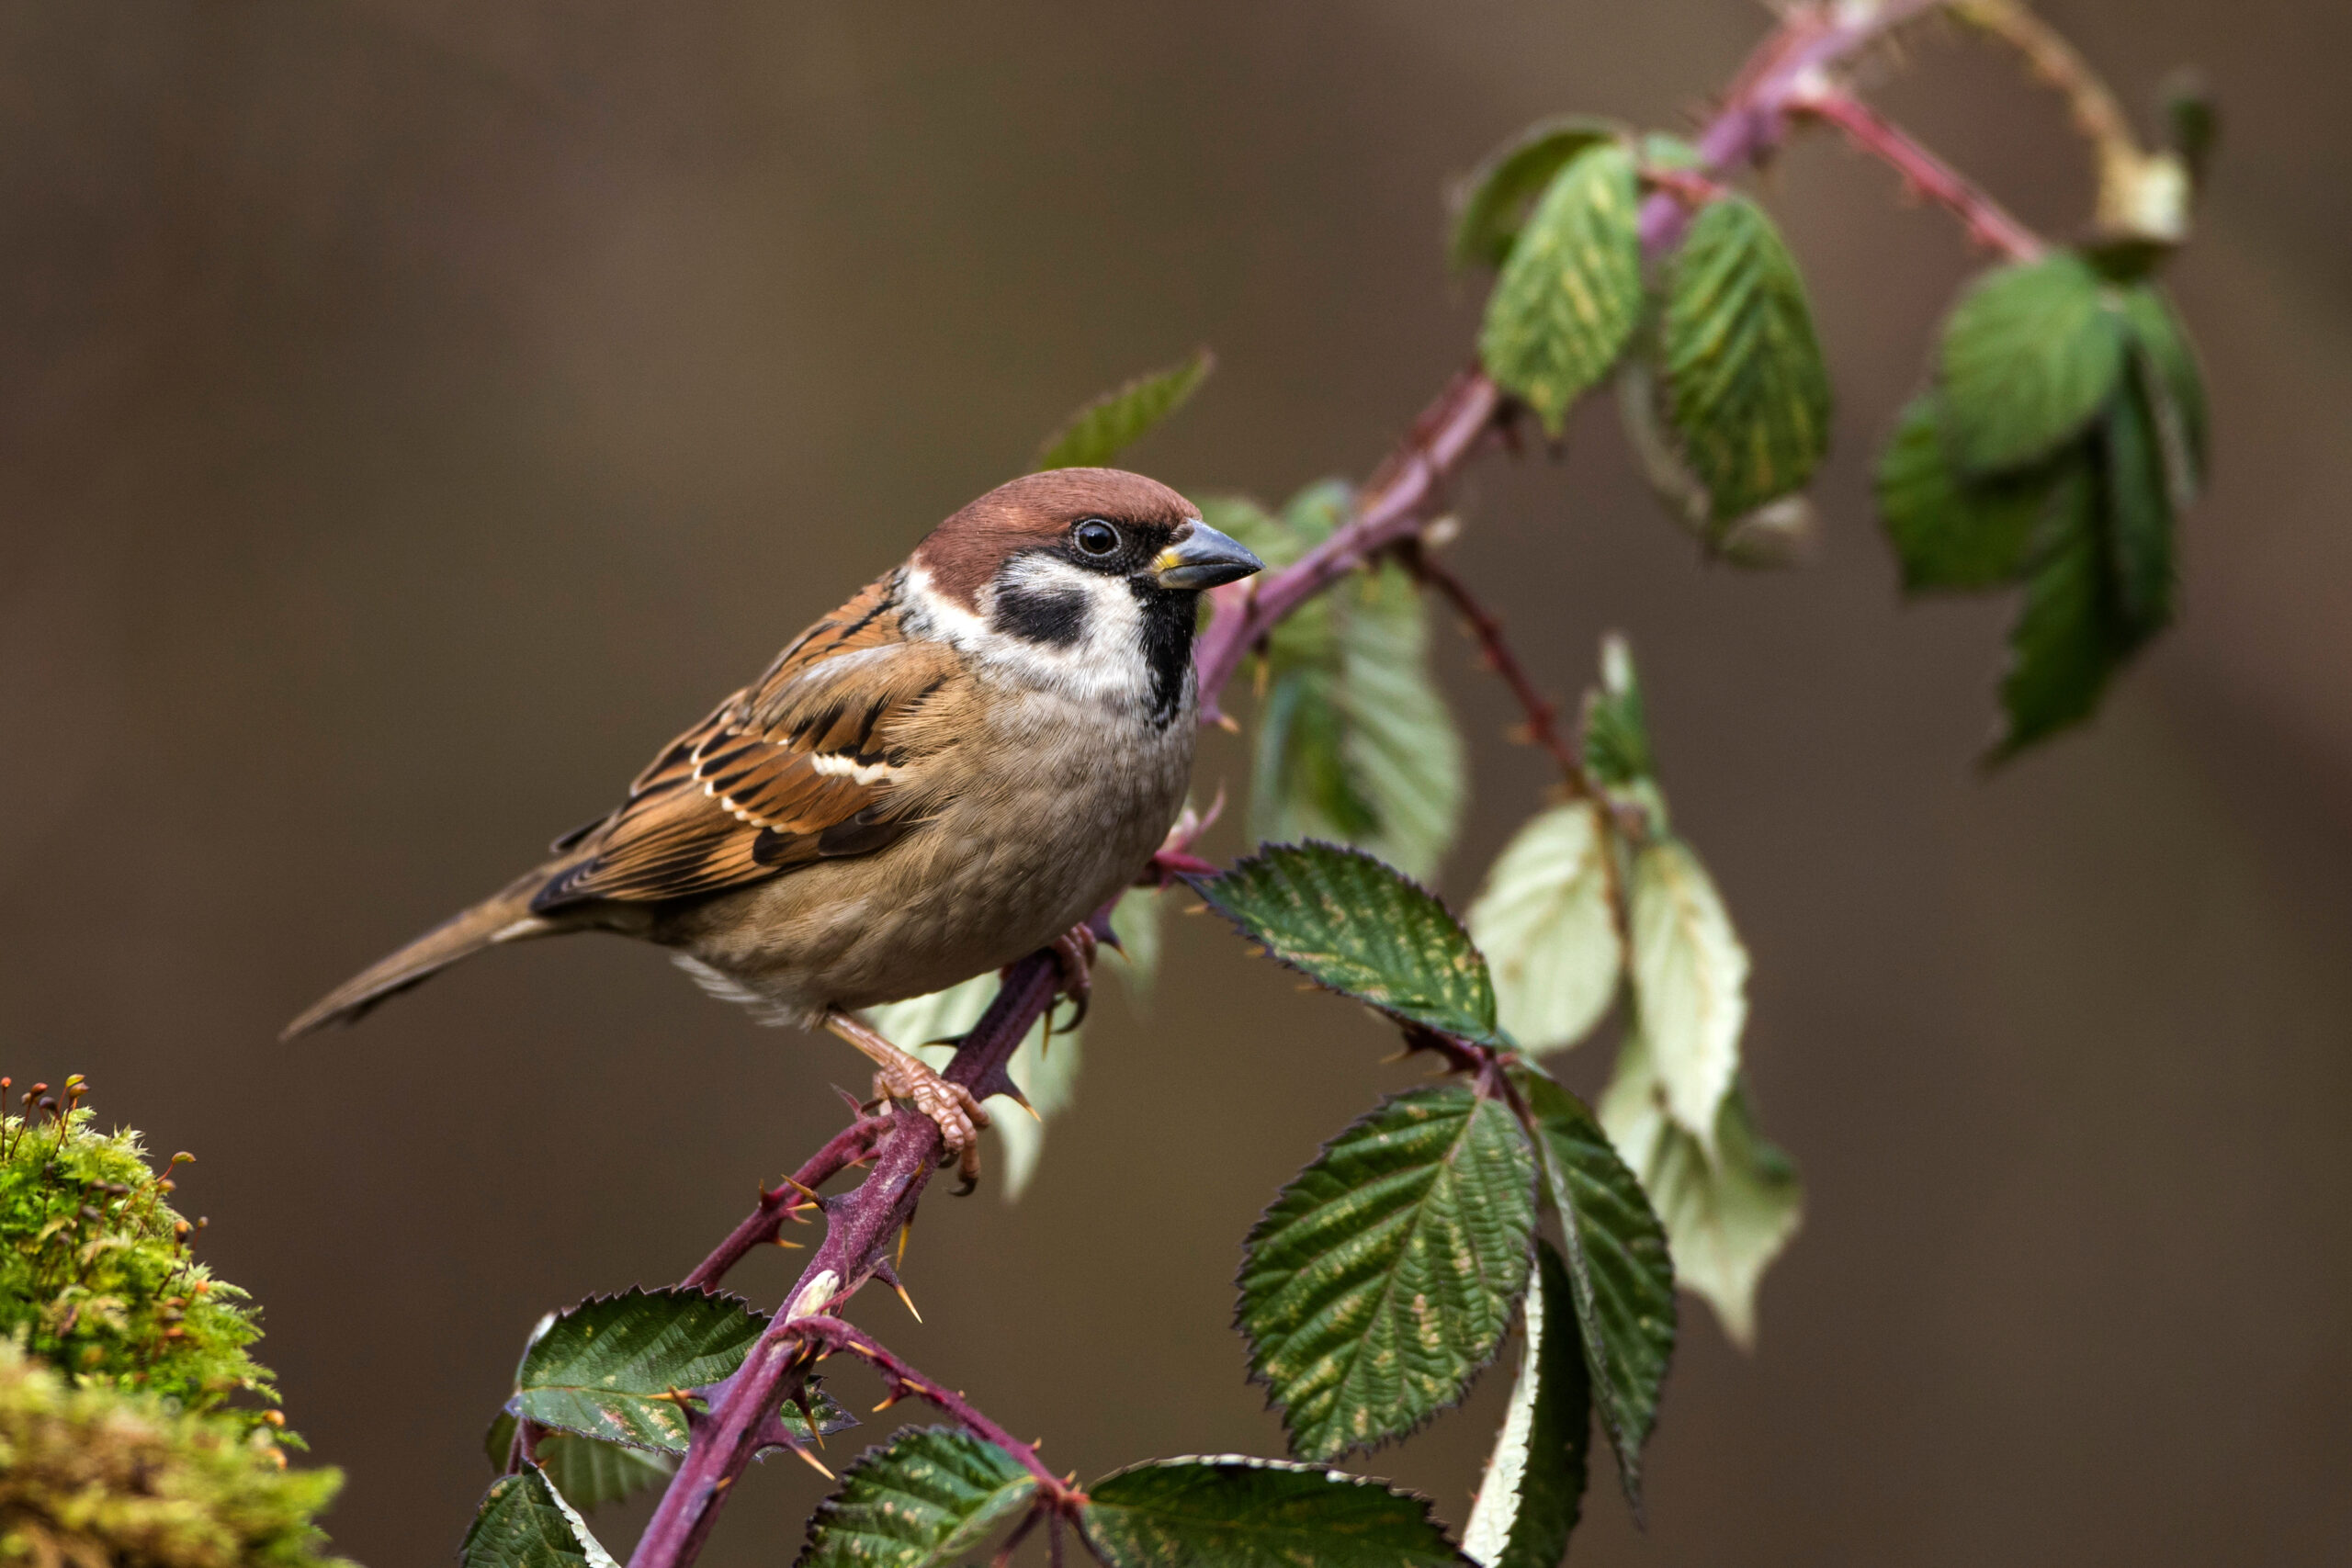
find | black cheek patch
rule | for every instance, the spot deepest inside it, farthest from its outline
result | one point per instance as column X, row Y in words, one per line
column 1168, row 617
column 1055, row 617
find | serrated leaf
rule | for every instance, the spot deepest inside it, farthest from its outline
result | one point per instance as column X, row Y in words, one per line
column 1361, row 928
column 1533, row 1486
column 1571, row 291
column 1102, row 429
column 1689, row 980
column 1226, row 1511
column 588, row 1473
column 1952, row 533
column 606, row 1368
column 1383, row 1278
column 1355, row 742
column 1548, row 926
column 1726, row 1218
column 2029, row 357
column 1621, row 1276
column 1496, row 198
column 2138, row 507
column 2175, row 384
column 1746, row 387
column 524, row 1523
column 2068, row 639
column 1047, row 1071
column 927, row 1499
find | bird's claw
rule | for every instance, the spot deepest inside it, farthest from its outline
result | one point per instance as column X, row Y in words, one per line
column 1074, row 952
column 951, row 1106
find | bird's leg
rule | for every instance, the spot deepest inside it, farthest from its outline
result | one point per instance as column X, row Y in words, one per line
column 899, row 1076
column 1074, row 956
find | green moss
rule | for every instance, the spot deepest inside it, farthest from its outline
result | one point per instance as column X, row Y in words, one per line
column 92, row 1476
column 96, row 1276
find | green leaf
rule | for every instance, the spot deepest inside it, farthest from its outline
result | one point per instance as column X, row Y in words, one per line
column 928, row 1498
column 1355, row 742
column 1571, row 292
column 1689, row 980
column 1616, row 728
column 587, row 1473
column 1745, row 382
column 1383, row 1278
column 2069, row 639
column 1047, row 1071
column 1529, row 1497
column 1726, row 1218
column 1358, row 927
column 524, row 1523
column 2139, row 519
column 1497, row 195
column 1230, row 1512
column 1621, row 1276
column 606, row 1368
column 1950, row 532
column 1548, row 926
column 2175, row 384
column 2030, row 355
column 1099, row 432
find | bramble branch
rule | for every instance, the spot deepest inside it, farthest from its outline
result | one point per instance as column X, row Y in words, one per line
column 1790, row 77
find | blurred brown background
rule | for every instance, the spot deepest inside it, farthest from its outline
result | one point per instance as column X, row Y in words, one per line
column 415, row 411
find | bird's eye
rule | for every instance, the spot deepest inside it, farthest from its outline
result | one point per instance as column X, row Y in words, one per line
column 1096, row 537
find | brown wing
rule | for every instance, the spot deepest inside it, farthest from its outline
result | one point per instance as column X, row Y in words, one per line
column 816, row 759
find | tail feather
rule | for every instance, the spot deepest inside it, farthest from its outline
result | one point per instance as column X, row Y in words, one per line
column 505, row 915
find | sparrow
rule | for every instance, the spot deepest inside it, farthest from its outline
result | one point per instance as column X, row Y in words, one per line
column 947, row 773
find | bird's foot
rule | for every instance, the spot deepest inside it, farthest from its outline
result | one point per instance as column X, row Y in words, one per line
column 909, row 1080
column 1074, row 952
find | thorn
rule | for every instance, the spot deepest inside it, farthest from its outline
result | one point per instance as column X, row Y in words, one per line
column 904, row 1231
column 1030, row 1109
column 1228, row 722
column 790, row 1245
column 813, row 1463
column 722, row 1483
column 885, row 1405
column 906, row 1298
column 803, row 1191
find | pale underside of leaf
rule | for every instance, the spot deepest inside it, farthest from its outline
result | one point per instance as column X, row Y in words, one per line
column 1548, row 926
column 1726, row 1218
column 1690, row 981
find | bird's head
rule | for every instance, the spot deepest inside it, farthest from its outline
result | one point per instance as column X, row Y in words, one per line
column 1090, row 574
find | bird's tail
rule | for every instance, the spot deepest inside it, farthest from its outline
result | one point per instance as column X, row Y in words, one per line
column 505, row 915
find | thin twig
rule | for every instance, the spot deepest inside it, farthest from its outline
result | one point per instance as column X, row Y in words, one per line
column 1987, row 221
column 1542, row 712
column 766, row 1222
column 832, row 1334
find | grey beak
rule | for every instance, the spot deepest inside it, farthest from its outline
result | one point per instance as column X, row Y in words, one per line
column 1203, row 558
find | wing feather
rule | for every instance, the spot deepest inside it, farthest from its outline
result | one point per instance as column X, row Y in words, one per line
column 820, row 757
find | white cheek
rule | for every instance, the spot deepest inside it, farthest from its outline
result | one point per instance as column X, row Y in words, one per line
column 1105, row 663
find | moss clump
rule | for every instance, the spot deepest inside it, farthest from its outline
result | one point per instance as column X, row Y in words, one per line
column 96, row 1278
column 92, row 1477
